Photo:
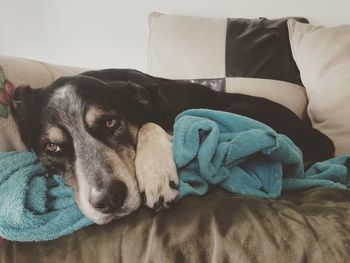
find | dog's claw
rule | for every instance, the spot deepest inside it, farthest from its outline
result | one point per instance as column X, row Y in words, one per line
column 161, row 200
column 156, row 207
column 159, row 204
column 143, row 198
column 173, row 185
column 168, row 204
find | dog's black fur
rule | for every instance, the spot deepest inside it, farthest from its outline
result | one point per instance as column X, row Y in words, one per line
column 133, row 99
column 165, row 98
column 159, row 100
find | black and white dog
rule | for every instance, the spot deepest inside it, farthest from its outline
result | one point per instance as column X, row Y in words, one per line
column 88, row 128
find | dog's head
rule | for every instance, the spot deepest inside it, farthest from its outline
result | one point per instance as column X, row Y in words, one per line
column 86, row 130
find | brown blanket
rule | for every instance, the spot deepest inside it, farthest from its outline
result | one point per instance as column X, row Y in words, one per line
column 309, row 226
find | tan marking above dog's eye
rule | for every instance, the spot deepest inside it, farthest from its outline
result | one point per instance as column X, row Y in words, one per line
column 93, row 115
column 110, row 123
column 54, row 148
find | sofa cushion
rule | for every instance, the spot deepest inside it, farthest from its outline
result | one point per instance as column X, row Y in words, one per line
column 249, row 56
column 37, row 74
column 323, row 57
column 312, row 226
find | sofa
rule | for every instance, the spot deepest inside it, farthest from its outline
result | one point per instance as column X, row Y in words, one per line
column 303, row 226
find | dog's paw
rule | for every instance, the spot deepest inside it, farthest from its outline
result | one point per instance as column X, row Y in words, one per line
column 155, row 167
column 159, row 192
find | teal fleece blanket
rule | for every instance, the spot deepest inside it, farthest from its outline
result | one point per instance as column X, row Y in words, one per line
column 244, row 156
column 34, row 207
column 210, row 148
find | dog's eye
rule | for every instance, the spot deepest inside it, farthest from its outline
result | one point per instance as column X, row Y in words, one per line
column 53, row 148
column 110, row 123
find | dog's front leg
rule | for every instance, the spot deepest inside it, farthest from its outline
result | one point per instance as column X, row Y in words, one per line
column 155, row 167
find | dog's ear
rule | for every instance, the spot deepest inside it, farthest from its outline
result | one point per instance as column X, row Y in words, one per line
column 132, row 92
column 137, row 94
column 23, row 108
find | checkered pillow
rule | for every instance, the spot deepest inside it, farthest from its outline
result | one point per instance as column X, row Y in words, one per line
column 248, row 56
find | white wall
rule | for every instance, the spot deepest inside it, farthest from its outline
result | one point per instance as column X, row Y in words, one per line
column 114, row 33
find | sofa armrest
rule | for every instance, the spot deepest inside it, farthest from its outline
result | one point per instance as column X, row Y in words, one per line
column 37, row 74
column 34, row 73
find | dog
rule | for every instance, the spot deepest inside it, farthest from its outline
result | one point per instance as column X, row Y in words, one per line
column 107, row 133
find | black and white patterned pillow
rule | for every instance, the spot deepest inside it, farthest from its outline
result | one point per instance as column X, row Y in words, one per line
column 248, row 56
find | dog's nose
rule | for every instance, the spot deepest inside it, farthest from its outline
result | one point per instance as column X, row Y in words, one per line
column 109, row 199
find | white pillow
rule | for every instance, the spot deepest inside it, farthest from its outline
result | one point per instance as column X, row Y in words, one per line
column 186, row 47
column 322, row 55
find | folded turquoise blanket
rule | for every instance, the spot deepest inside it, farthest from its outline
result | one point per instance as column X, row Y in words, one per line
column 210, row 148
column 244, row 156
